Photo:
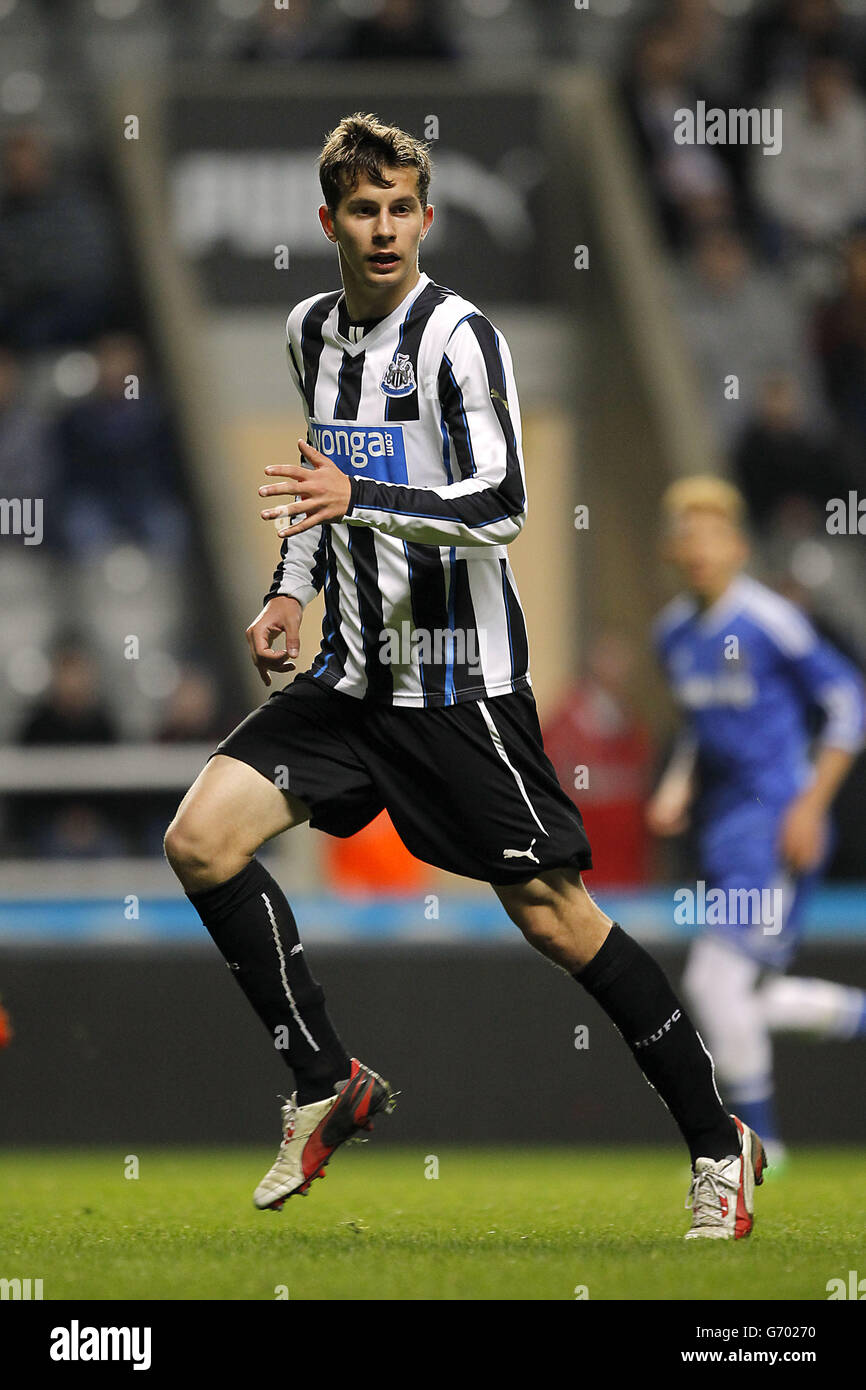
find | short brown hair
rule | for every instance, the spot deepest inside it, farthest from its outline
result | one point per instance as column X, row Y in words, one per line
column 363, row 145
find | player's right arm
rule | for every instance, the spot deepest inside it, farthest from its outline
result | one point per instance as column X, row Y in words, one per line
column 667, row 811
column 298, row 577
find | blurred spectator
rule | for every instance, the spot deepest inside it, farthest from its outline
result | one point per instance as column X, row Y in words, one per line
column 739, row 322
column 692, row 185
column 282, row 35
column 192, row 712
column 595, row 739
column 57, row 264
column 27, row 460
column 815, row 187
column 79, row 831
column 400, row 29
column 784, row 37
column 119, row 460
column 72, row 713
column 841, row 344
column 779, row 460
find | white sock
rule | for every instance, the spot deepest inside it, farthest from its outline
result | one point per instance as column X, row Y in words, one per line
column 719, row 984
column 795, row 1005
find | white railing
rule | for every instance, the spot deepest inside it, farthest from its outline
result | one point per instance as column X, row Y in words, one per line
column 124, row 767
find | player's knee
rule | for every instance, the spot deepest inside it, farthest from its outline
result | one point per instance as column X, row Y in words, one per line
column 189, row 848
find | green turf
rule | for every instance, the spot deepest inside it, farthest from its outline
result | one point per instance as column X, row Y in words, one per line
column 496, row 1224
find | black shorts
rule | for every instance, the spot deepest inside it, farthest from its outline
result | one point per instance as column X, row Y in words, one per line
column 468, row 787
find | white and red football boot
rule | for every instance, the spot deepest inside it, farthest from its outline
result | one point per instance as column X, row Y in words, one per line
column 311, row 1134
column 722, row 1193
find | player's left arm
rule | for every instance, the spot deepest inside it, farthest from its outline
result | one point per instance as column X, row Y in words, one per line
column 480, row 414
column 831, row 683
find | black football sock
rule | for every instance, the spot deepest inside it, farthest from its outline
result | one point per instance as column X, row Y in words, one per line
column 254, row 928
column 635, row 994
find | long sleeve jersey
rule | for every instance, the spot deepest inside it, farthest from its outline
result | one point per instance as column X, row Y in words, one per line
column 420, row 410
column 746, row 673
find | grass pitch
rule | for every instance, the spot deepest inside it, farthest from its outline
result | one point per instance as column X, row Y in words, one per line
column 495, row 1224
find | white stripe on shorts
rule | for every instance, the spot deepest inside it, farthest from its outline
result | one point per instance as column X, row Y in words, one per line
column 500, row 748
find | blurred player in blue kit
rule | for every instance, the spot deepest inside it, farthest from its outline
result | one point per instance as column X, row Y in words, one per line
column 748, row 671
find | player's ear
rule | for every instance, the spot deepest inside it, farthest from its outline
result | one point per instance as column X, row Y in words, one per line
column 327, row 222
column 427, row 220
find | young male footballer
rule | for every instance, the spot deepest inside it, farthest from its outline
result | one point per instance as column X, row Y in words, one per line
column 746, row 668
column 408, row 491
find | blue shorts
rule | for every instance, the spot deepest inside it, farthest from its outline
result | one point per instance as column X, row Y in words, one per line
column 764, row 902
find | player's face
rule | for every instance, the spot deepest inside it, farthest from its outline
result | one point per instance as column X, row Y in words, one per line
column 708, row 551
column 378, row 232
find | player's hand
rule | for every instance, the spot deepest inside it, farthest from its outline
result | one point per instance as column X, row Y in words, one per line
column 279, row 615
column 667, row 812
column 323, row 492
column 804, row 834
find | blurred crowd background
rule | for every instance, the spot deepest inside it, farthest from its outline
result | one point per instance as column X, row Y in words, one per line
column 765, row 265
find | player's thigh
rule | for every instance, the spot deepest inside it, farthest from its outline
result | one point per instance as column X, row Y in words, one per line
column 230, row 804
column 557, row 915
column 470, row 789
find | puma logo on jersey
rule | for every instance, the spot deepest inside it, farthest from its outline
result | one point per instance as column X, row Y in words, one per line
column 521, row 854
column 399, row 377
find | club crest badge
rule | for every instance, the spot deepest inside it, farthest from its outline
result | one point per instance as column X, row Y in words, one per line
column 399, row 378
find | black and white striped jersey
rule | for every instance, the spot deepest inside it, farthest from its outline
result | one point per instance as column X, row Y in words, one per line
column 421, row 411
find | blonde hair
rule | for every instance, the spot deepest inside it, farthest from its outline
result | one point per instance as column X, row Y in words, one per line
column 704, row 492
